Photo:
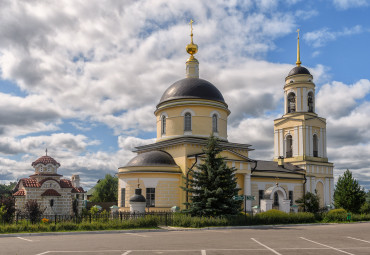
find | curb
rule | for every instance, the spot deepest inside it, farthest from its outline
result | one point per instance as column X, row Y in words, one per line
column 168, row 229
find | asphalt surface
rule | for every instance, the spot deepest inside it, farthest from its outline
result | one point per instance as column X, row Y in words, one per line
column 285, row 240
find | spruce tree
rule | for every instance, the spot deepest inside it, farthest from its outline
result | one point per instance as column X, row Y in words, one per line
column 212, row 185
column 348, row 193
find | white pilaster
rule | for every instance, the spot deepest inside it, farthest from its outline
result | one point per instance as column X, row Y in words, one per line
column 307, row 129
column 324, row 141
column 276, row 144
column 327, row 191
column 295, row 142
column 304, row 102
column 248, row 190
column 311, row 142
column 299, row 100
column 300, row 141
column 331, row 190
column 281, row 143
column 320, row 145
column 285, row 103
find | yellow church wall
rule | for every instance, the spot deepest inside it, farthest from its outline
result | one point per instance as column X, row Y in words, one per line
column 167, row 191
column 201, row 121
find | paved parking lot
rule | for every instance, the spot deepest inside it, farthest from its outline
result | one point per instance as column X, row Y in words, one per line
column 285, row 240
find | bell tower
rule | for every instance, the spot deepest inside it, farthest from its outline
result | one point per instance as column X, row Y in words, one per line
column 300, row 134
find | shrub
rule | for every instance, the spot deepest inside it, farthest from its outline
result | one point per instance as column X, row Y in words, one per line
column 361, row 217
column 365, row 208
column 336, row 215
column 9, row 204
column 33, row 210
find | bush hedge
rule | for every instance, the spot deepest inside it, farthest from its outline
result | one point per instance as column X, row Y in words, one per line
column 335, row 215
column 24, row 226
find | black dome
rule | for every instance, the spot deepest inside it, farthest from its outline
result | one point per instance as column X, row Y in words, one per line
column 192, row 88
column 298, row 70
column 137, row 197
column 152, row 158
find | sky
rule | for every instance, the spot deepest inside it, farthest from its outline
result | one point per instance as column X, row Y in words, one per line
column 83, row 78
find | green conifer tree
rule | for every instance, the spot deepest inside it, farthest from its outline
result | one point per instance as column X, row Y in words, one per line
column 348, row 193
column 212, row 185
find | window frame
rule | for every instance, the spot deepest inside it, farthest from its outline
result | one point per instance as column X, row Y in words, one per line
column 123, row 197
column 214, row 123
column 150, row 197
column 163, row 124
column 187, row 121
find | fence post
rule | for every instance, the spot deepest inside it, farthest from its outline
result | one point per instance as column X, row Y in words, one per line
column 166, row 219
column 16, row 218
column 55, row 219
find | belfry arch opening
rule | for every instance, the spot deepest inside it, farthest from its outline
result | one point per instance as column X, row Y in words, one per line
column 291, row 102
column 315, row 146
column 289, row 147
column 310, row 102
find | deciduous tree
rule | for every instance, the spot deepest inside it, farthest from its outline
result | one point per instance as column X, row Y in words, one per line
column 106, row 190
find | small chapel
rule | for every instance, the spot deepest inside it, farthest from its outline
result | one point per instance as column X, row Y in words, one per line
column 54, row 194
column 192, row 108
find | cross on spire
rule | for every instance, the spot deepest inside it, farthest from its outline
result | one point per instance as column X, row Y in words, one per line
column 46, row 151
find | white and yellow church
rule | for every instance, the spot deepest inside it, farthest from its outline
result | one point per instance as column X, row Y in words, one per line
column 192, row 108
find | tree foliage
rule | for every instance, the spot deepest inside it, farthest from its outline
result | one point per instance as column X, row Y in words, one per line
column 348, row 193
column 9, row 207
column 34, row 211
column 6, row 190
column 212, row 185
column 106, row 190
column 310, row 202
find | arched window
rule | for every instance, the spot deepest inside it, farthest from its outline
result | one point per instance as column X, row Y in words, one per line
column 187, row 122
column 276, row 199
column 310, row 102
column 214, row 123
column 163, row 127
column 289, row 146
column 315, row 146
column 291, row 102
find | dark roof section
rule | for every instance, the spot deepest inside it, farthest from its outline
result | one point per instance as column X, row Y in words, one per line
column 272, row 166
column 51, row 193
column 20, row 192
column 64, row 183
column 192, row 88
column 137, row 197
column 298, row 70
column 45, row 160
column 152, row 158
column 78, row 190
column 190, row 140
column 30, row 183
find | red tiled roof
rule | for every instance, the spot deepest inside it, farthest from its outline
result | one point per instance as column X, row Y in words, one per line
column 78, row 190
column 45, row 160
column 30, row 183
column 51, row 192
column 20, row 193
column 45, row 174
column 64, row 183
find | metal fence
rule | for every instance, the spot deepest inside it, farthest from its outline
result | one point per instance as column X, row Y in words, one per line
column 163, row 218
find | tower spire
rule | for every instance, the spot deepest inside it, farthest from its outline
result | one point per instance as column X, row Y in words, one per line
column 298, row 63
column 192, row 64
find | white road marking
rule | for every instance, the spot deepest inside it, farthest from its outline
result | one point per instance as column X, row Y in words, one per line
column 358, row 239
column 127, row 252
column 266, row 247
column 204, row 252
column 327, row 246
column 136, row 234
column 46, row 252
column 29, row 240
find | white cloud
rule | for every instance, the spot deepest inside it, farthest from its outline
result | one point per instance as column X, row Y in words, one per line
column 321, row 37
column 346, row 4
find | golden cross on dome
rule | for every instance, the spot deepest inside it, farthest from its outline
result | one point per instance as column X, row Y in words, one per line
column 191, row 29
column 138, row 183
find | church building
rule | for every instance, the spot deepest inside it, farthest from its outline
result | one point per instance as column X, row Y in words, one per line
column 192, row 108
column 54, row 194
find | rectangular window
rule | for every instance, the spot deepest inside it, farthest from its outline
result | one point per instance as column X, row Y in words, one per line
column 291, row 197
column 123, row 195
column 260, row 196
column 150, row 197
